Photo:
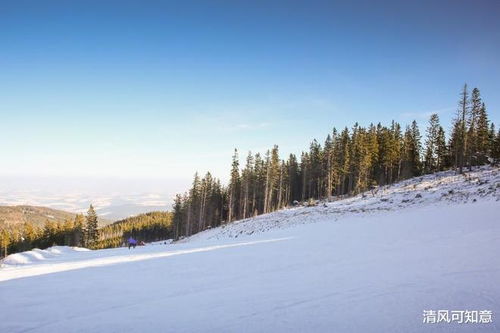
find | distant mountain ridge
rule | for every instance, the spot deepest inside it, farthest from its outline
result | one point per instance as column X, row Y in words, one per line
column 110, row 206
column 12, row 215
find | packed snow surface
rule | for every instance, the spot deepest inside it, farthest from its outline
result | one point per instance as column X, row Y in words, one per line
column 371, row 263
column 37, row 255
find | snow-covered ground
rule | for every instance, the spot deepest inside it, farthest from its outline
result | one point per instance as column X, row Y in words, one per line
column 370, row 263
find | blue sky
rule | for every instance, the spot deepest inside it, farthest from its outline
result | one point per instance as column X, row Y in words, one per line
column 157, row 89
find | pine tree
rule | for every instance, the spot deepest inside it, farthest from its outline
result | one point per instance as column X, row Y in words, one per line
column 79, row 230
column 431, row 143
column 5, row 241
column 293, row 179
column 192, row 205
column 92, row 230
column 492, row 136
column 441, row 150
column 461, row 129
column 273, row 170
column 328, row 165
column 411, row 151
column 398, row 144
column 388, row 153
column 30, row 234
column 246, row 186
column 471, row 123
column 343, row 158
column 482, row 136
column 373, row 147
column 304, row 176
column 495, row 150
column 315, row 170
column 68, row 232
column 178, row 217
column 49, row 233
column 416, row 149
column 454, row 144
column 234, row 188
column 258, row 197
column 365, row 160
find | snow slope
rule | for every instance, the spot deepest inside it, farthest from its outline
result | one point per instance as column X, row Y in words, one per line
column 363, row 264
column 37, row 255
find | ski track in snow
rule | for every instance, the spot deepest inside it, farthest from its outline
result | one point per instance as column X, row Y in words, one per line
column 370, row 263
column 64, row 265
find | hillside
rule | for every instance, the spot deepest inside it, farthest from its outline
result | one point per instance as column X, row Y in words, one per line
column 442, row 188
column 371, row 263
column 38, row 215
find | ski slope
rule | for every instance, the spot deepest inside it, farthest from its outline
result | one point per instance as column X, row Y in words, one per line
column 371, row 263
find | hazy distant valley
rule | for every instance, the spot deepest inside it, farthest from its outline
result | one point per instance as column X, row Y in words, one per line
column 112, row 206
column 113, row 199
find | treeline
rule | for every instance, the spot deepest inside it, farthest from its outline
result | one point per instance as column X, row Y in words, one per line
column 83, row 231
column 349, row 161
column 149, row 227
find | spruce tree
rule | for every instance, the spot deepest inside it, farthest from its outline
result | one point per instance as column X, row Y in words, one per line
column 482, row 136
column 431, row 144
column 441, row 150
column 50, row 233
column 234, row 188
column 92, row 231
column 373, row 147
column 246, row 186
column 328, row 165
column 495, row 150
column 411, row 150
column 316, row 171
column 471, row 123
column 5, row 240
column 304, row 176
column 461, row 129
column 79, row 230
column 343, row 159
column 293, row 178
column 178, row 216
column 68, row 232
column 416, row 148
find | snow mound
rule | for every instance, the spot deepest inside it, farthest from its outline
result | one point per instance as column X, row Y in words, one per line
column 37, row 255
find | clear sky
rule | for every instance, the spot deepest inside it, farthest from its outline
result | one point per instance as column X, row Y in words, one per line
column 160, row 89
